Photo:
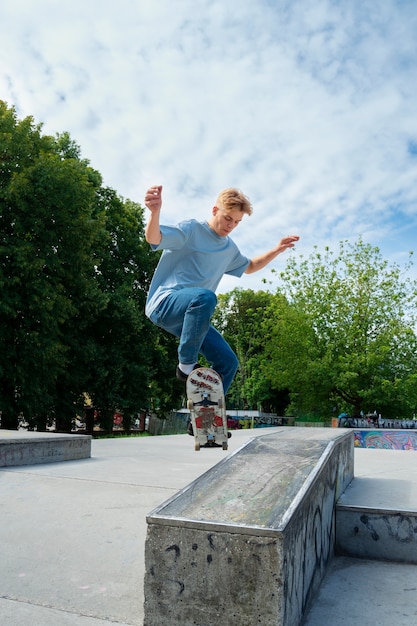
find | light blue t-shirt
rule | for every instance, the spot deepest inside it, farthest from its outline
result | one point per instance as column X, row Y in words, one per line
column 193, row 256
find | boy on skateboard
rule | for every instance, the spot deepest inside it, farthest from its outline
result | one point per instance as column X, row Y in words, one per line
column 196, row 255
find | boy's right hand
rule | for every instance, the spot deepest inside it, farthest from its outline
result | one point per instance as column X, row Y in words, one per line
column 153, row 198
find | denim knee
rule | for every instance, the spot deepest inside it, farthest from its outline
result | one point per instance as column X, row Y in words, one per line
column 206, row 300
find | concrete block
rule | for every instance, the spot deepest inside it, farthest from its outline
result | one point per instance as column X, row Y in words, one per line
column 249, row 541
column 30, row 448
column 389, row 535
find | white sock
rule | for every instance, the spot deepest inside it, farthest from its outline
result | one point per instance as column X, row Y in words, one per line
column 186, row 368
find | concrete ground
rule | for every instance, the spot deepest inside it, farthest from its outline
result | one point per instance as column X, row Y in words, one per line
column 72, row 536
column 373, row 593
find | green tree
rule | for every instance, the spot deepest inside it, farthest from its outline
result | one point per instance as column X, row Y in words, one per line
column 347, row 339
column 49, row 227
column 122, row 341
column 74, row 272
column 166, row 392
column 239, row 316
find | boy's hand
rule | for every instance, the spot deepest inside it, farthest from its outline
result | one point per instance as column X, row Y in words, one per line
column 153, row 198
column 288, row 242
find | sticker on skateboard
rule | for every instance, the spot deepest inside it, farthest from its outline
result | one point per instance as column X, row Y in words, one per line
column 205, row 400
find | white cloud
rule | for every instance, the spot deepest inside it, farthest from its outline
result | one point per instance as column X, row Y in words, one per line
column 308, row 107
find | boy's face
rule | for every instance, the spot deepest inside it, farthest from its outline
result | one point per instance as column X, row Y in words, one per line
column 223, row 222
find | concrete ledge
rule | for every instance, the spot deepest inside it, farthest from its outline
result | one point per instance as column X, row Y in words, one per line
column 249, row 541
column 376, row 517
column 30, row 448
column 366, row 533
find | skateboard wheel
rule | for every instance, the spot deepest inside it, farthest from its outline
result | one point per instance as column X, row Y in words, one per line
column 190, row 404
column 197, row 447
column 224, row 445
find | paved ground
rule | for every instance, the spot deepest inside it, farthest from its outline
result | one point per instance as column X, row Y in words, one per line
column 72, row 536
column 373, row 593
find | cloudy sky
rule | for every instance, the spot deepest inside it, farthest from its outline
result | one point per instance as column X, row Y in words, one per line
column 308, row 106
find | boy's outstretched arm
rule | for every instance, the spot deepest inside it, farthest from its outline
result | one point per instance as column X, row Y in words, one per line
column 261, row 261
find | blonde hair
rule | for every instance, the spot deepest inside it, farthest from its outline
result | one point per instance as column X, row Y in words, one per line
column 232, row 198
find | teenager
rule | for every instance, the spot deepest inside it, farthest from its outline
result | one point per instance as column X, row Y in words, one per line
column 196, row 255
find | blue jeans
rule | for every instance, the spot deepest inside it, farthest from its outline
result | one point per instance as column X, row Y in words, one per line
column 186, row 313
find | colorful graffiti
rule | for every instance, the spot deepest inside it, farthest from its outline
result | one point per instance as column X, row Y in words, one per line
column 386, row 440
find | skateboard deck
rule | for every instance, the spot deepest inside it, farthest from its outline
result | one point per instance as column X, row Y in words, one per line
column 205, row 400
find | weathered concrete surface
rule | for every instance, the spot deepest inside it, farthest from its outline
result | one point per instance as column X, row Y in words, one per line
column 249, row 541
column 372, row 534
column 376, row 517
column 18, row 447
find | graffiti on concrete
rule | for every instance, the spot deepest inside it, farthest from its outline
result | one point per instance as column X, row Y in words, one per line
column 386, row 440
column 388, row 535
column 400, row 527
column 312, row 536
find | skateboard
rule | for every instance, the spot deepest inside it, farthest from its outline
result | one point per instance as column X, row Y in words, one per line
column 205, row 400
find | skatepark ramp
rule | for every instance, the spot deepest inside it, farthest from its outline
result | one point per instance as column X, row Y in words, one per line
column 249, row 541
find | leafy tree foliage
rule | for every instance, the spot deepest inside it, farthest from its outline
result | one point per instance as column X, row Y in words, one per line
column 46, row 262
column 122, row 341
column 240, row 316
column 74, row 271
column 347, row 337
